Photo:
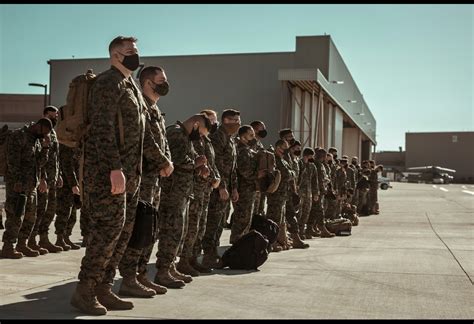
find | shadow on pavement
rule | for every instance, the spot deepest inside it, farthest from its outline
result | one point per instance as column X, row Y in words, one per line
column 51, row 303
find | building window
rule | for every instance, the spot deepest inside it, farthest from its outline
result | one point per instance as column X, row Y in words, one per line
column 455, row 138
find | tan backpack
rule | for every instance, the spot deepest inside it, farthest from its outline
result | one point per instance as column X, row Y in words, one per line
column 72, row 117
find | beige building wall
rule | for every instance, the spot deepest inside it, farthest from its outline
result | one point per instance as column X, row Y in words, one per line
column 350, row 142
column 452, row 150
column 17, row 109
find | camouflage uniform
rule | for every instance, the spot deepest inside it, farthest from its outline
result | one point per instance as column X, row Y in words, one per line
column 260, row 197
column 351, row 173
column 278, row 199
column 176, row 192
column 226, row 158
column 291, row 212
column 211, row 162
column 156, row 154
column 46, row 207
column 69, row 166
column 198, row 204
column 247, row 177
column 317, row 213
column 331, row 205
column 308, row 187
column 25, row 158
column 372, row 195
column 340, row 188
column 111, row 217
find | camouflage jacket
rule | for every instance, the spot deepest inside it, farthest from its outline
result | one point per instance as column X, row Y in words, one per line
column 373, row 179
column 25, row 158
column 203, row 146
column 183, row 155
column 287, row 176
column 247, row 167
column 323, row 177
column 156, row 152
column 51, row 168
column 69, row 166
column 112, row 95
column 226, row 158
column 258, row 146
column 351, row 176
column 308, row 183
column 340, row 181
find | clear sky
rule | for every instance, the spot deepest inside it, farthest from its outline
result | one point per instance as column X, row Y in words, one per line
column 413, row 63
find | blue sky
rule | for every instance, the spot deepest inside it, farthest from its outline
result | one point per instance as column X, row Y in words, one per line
column 413, row 63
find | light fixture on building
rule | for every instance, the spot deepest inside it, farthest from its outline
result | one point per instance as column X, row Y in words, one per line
column 45, row 86
column 337, row 82
column 352, row 101
column 367, row 123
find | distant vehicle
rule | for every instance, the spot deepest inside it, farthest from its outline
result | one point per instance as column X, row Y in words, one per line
column 430, row 174
column 384, row 183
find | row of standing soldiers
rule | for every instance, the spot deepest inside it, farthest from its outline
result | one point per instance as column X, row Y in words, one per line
column 191, row 172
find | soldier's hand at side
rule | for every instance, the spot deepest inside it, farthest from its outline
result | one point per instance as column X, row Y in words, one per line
column 76, row 190
column 46, row 141
column 315, row 198
column 223, row 194
column 167, row 170
column 200, row 160
column 261, row 173
column 43, row 186
column 204, row 171
column 235, row 195
column 18, row 187
column 60, row 182
column 215, row 183
column 117, row 181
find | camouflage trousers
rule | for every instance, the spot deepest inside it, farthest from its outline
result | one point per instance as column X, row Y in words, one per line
column 372, row 198
column 25, row 222
column 316, row 214
column 64, row 210
column 216, row 217
column 362, row 202
column 242, row 215
column 202, row 223
column 291, row 216
column 306, row 203
column 276, row 207
column 331, row 208
column 173, row 212
column 45, row 211
column 84, row 221
column 195, row 217
column 136, row 260
column 260, row 202
column 106, row 217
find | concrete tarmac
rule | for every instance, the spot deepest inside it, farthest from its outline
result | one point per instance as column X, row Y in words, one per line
column 413, row 261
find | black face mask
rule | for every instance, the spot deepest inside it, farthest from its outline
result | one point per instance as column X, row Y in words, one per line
column 252, row 142
column 311, row 160
column 194, row 135
column 131, row 62
column 354, row 163
column 334, row 156
column 291, row 141
column 297, row 152
column 162, row 89
column 213, row 128
column 262, row 133
column 54, row 121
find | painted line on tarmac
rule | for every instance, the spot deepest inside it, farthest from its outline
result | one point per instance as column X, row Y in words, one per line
column 435, row 186
column 464, row 187
column 469, row 192
column 444, row 189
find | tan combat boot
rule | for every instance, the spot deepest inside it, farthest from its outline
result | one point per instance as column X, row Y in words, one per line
column 46, row 244
column 186, row 268
column 324, row 231
column 310, row 232
column 111, row 301
column 178, row 275
column 23, row 248
column 34, row 246
column 276, row 247
column 60, row 242
column 160, row 290
column 131, row 287
column 84, row 241
column 85, row 299
column 164, row 278
column 9, row 252
column 297, row 242
column 71, row 244
column 210, row 258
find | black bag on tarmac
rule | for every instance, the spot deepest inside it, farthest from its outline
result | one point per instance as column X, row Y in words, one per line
column 144, row 227
column 266, row 227
column 248, row 253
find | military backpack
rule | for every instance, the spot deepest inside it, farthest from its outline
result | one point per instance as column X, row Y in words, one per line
column 4, row 133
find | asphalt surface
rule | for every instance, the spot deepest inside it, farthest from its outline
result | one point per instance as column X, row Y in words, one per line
column 413, row 261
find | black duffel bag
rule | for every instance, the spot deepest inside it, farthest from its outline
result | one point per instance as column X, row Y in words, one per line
column 268, row 228
column 248, row 253
column 145, row 226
